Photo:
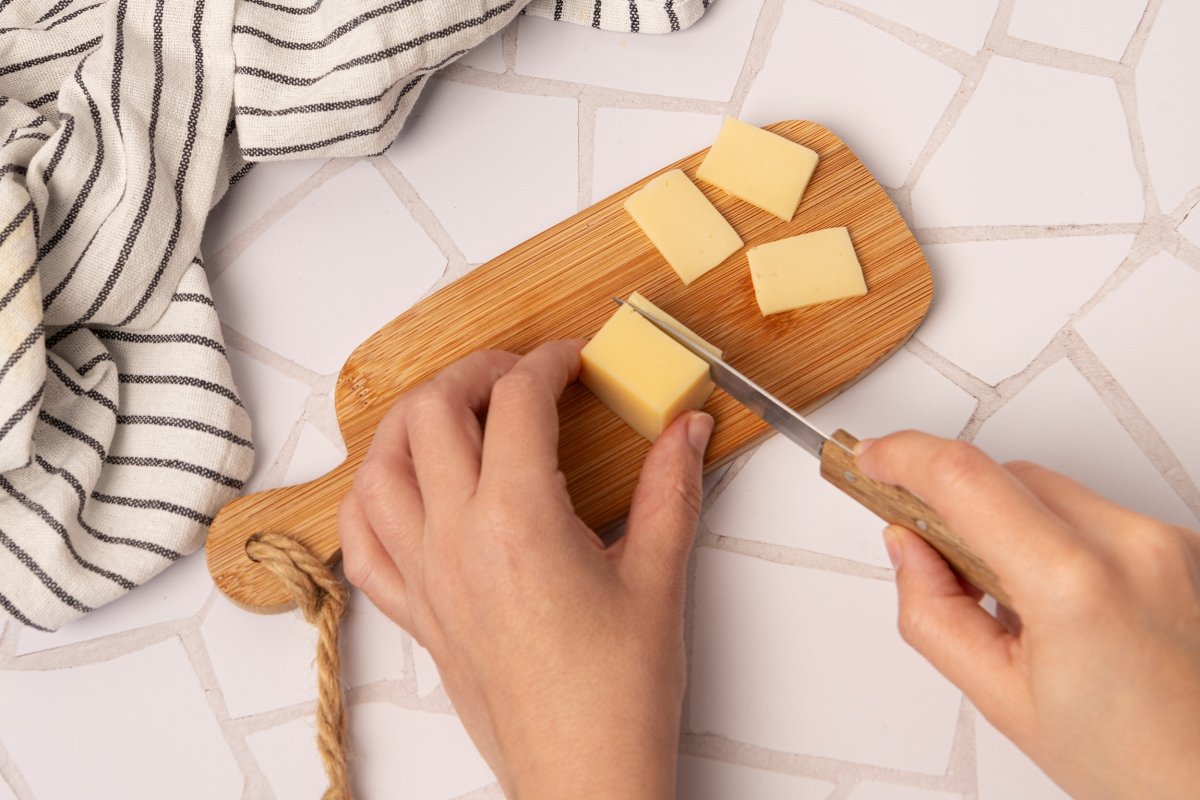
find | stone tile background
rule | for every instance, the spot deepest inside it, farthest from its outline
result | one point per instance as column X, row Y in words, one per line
column 1044, row 153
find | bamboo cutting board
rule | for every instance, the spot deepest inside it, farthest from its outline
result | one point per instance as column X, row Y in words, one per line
column 560, row 284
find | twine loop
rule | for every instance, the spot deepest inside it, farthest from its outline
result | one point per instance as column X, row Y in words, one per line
column 321, row 597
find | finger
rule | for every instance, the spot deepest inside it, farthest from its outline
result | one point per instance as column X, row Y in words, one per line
column 949, row 628
column 386, row 491
column 666, row 505
column 520, row 450
column 995, row 514
column 368, row 565
column 444, row 430
column 1087, row 512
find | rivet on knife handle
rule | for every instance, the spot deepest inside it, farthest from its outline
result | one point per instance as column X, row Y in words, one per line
column 901, row 507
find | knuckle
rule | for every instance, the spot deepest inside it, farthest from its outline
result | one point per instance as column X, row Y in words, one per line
column 428, row 401
column 910, row 625
column 1084, row 582
column 371, row 482
column 515, row 387
column 956, row 464
column 1023, row 469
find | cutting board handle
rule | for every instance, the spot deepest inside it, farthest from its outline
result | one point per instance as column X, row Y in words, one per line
column 901, row 507
column 306, row 512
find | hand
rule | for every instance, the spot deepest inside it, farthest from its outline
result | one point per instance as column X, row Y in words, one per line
column 1095, row 670
column 564, row 658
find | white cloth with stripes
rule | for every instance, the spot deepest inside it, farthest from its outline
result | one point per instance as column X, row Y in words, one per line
column 123, row 122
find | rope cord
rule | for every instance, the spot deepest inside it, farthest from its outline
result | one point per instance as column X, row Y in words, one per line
column 322, row 599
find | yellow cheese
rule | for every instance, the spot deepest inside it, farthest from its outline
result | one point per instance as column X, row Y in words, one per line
column 760, row 167
column 641, row 373
column 807, row 269
column 637, row 301
column 687, row 229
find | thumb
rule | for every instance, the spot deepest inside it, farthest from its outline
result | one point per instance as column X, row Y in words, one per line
column 944, row 622
column 666, row 503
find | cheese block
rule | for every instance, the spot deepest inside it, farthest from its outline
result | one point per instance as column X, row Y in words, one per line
column 641, row 373
column 760, row 167
column 802, row 270
column 687, row 229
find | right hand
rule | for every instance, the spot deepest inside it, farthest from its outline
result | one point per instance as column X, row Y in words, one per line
column 1095, row 670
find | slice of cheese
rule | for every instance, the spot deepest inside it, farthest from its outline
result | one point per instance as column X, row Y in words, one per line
column 802, row 270
column 641, row 373
column 760, row 167
column 687, row 229
column 637, row 301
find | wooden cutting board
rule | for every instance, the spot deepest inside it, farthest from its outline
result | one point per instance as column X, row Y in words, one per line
column 560, row 284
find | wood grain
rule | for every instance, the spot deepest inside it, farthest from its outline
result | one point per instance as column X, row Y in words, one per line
column 559, row 284
column 901, row 507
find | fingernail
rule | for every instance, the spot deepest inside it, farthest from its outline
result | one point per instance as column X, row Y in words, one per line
column 700, row 427
column 895, row 550
column 862, row 446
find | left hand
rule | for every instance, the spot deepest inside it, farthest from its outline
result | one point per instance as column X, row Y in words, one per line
column 564, row 658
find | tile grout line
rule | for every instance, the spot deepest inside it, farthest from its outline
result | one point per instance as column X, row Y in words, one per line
column 585, row 150
column 756, row 54
column 1141, row 430
column 836, row 771
column 220, row 261
column 953, row 57
column 424, row 216
column 255, row 783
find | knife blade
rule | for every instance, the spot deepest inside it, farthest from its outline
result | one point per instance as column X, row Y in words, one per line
column 892, row 503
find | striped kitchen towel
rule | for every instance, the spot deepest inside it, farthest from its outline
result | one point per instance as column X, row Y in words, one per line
column 123, row 122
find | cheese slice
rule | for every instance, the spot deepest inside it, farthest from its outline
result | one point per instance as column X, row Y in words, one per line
column 637, row 301
column 641, row 373
column 802, row 270
column 687, row 229
column 760, row 167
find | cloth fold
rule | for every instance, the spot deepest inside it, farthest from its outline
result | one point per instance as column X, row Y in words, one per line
column 122, row 123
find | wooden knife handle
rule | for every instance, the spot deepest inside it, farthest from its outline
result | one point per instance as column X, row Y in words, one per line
column 901, row 507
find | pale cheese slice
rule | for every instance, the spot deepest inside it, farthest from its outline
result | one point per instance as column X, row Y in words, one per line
column 802, row 270
column 687, row 229
column 641, row 373
column 760, row 167
column 637, row 301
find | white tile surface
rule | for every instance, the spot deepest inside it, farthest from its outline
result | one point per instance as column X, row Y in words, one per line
column 703, row 61
column 1167, row 104
column 177, row 592
column 495, row 167
column 314, row 456
column 816, row 62
column 706, row 779
column 963, row 25
column 1035, row 146
column 1097, row 27
column 97, row 730
column 1005, row 772
column 428, row 678
column 632, row 143
column 1138, row 331
column 780, row 498
column 372, row 645
column 338, row 266
column 252, row 196
column 978, row 284
column 6, row 792
column 262, row 661
column 836, row 685
column 871, row 790
column 398, row 753
column 488, row 56
column 1059, row 421
column 274, row 402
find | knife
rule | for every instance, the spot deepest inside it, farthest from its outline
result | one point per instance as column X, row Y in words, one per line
column 836, row 453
